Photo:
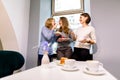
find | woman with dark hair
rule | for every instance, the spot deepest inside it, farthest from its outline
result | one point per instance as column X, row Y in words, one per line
column 85, row 36
column 64, row 39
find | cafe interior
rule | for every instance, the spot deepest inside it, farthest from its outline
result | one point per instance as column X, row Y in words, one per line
column 21, row 22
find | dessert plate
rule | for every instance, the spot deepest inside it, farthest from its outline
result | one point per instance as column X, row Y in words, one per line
column 69, row 69
column 100, row 72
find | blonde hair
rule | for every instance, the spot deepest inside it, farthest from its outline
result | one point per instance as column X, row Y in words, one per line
column 65, row 25
column 48, row 23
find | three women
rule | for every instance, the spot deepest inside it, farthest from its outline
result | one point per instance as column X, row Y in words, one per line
column 84, row 37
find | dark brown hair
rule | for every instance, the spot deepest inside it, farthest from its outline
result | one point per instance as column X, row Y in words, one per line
column 88, row 17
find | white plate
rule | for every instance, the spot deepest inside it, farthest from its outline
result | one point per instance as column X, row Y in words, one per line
column 69, row 69
column 100, row 72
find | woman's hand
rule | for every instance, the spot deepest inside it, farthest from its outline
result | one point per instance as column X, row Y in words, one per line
column 59, row 40
column 87, row 41
column 54, row 26
column 62, row 39
column 57, row 33
column 84, row 41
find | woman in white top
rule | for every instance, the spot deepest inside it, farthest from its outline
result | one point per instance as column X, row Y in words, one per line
column 85, row 36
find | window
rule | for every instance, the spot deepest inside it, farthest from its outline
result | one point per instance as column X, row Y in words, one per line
column 70, row 9
column 62, row 7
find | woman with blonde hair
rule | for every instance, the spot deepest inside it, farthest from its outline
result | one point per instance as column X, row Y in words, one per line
column 47, row 36
column 64, row 39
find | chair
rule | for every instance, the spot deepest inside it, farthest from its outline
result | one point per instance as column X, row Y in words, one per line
column 10, row 61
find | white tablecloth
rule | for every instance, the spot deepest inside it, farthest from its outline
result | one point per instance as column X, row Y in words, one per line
column 54, row 72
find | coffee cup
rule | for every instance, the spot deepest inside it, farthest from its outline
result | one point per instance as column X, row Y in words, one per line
column 69, row 63
column 93, row 65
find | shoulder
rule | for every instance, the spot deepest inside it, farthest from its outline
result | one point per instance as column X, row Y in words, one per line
column 91, row 28
column 45, row 28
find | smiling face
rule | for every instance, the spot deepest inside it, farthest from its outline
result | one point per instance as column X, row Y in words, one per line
column 83, row 19
column 63, row 22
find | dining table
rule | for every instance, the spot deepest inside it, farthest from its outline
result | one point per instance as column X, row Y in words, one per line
column 56, row 71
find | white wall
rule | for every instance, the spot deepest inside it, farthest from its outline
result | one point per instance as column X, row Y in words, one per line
column 18, row 12
column 105, row 18
column 40, row 10
column 33, row 36
column 7, row 34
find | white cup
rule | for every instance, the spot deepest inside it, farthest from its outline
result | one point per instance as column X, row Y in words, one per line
column 69, row 63
column 93, row 65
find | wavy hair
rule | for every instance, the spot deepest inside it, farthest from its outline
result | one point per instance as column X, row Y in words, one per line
column 65, row 25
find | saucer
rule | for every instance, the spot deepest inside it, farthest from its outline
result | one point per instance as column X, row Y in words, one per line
column 100, row 72
column 60, row 64
column 69, row 69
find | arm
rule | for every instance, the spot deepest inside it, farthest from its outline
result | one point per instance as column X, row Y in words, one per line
column 48, row 34
column 71, row 36
column 93, row 37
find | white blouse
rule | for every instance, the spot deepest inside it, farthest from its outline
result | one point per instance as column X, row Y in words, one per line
column 84, row 33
